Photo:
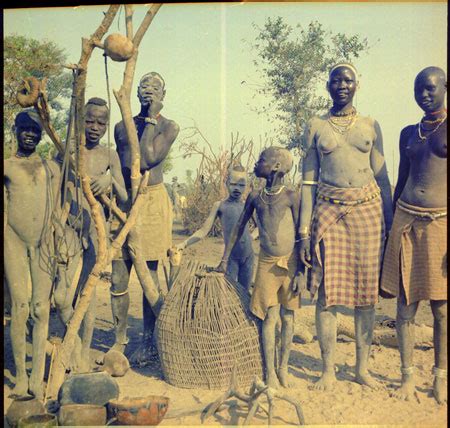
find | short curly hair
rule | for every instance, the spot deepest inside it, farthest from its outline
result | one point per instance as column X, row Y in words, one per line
column 281, row 155
column 96, row 101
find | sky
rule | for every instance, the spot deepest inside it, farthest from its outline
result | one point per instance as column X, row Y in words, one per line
column 201, row 51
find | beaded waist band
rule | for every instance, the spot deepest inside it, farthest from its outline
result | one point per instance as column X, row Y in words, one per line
column 422, row 213
column 344, row 202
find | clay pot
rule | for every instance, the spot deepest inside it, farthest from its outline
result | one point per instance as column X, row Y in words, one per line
column 82, row 415
column 38, row 421
column 88, row 388
column 118, row 47
column 115, row 363
column 22, row 407
column 148, row 410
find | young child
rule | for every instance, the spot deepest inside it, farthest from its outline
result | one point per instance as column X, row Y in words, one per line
column 30, row 186
column 240, row 264
column 276, row 280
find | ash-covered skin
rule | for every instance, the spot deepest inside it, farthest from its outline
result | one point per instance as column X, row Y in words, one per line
column 277, row 223
column 155, row 141
column 30, row 184
column 351, row 159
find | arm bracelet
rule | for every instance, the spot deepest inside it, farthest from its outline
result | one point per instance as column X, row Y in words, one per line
column 310, row 183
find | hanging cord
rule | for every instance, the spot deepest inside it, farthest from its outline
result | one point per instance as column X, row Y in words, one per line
column 109, row 142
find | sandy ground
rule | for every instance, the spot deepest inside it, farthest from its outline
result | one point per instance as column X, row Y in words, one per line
column 349, row 403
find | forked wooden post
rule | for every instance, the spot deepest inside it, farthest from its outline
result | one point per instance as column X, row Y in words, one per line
column 63, row 352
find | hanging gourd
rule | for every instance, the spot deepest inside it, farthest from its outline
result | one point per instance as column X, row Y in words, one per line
column 118, row 47
column 28, row 92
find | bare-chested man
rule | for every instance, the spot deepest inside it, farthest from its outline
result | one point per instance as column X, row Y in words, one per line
column 30, row 188
column 415, row 262
column 277, row 211
column 352, row 206
column 151, row 237
column 103, row 168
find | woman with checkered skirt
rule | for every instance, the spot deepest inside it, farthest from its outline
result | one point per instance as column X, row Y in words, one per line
column 345, row 214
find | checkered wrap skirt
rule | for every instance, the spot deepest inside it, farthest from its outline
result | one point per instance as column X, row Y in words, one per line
column 416, row 254
column 347, row 244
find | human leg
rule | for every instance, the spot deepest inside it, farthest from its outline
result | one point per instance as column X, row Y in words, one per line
column 41, row 280
column 120, row 301
column 245, row 275
column 146, row 352
column 268, row 338
column 326, row 333
column 16, row 273
column 287, row 333
column 63, row 294
column 87, row 326
column 364, row 324
column 233, row 269
column 405, row 337
column 439, row 309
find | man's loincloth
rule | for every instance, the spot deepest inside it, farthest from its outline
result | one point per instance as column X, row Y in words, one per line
column 416, row 254
column 273, row 280
column 347, row 243
column 151, row 236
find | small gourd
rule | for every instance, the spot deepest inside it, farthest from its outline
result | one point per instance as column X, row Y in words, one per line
column 118, row 47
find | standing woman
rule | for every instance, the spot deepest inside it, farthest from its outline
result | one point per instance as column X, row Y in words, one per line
column 346, row 186
column 415, row 264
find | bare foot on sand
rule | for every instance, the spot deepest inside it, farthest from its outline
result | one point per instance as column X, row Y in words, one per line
column 366, row 380
column 325, row 383
column 440, row 390
column 283, row 377
column 406, row 390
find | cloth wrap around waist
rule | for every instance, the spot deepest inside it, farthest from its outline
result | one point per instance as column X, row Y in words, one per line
column 347, row 240
column 416, row 253
column 274, row 276
column 151, row 236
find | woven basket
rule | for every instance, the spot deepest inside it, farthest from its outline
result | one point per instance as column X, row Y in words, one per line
column 204, row 329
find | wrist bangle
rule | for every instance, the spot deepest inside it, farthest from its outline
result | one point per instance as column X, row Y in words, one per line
column 150, row 121
column 305, row 238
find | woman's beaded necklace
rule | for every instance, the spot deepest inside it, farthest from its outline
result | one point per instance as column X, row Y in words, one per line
column 341, row 122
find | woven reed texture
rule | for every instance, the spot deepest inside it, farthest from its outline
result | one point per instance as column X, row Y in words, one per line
column 204, row 329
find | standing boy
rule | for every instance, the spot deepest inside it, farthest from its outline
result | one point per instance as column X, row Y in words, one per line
column 240, row 263
column 277, row 212
column 30, row 186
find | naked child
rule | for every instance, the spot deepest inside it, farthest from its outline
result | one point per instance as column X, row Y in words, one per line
column 30, row 187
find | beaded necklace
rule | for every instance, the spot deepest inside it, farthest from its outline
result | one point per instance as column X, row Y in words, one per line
column 424, row 138
column 341, row 123
column 268, row 193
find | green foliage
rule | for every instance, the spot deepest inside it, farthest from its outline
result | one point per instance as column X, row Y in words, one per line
column 293, row 63
column 25, row 57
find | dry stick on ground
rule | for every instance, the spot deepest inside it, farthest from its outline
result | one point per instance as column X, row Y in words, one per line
column 149, row 288
column 63, row 353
